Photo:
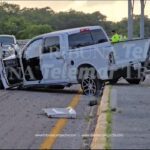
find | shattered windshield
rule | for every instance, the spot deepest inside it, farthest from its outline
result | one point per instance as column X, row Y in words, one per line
column 6, row 40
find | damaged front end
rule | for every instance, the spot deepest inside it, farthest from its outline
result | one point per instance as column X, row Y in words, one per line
column 10, row 72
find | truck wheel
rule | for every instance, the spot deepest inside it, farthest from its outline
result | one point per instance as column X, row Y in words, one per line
column 1, row 85
column 136, row 77
column 134, row 81
column 91, row 86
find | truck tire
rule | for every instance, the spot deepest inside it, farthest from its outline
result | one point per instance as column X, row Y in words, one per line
column 1, row 85
column 136, row 77
column 134, row 81
column 91, row 86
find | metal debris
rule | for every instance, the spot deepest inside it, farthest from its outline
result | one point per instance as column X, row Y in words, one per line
column 60, row 112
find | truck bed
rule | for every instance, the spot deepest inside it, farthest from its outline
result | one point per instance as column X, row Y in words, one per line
column 132, row 51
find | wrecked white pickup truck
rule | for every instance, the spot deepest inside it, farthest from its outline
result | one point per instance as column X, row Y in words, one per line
column 63, row 58
column 80, row 55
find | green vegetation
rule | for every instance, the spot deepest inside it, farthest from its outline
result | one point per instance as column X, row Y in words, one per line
column 28, row 22
column 109, row 125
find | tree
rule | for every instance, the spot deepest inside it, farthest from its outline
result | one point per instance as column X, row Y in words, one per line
column 37, row 15
column 12, row 25
column 30, row 22
column 72, row 18
column 34, row 30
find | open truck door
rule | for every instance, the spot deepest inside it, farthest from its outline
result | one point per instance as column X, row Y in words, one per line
column 10, row 72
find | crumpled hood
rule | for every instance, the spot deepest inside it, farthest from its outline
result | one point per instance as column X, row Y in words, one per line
column 13, row 56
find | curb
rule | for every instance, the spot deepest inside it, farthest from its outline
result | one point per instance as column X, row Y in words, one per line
column 86, row 139
column 99, row 137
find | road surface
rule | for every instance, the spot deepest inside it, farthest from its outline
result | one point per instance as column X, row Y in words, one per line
column 130, row 124
column 24, row 126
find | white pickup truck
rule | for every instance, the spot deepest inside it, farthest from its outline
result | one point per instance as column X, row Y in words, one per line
column 63, row 58
column 80, row 55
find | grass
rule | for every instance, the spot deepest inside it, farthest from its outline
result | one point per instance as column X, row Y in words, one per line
column 109, row 124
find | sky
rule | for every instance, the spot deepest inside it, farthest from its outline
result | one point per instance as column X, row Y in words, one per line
column 115, row 10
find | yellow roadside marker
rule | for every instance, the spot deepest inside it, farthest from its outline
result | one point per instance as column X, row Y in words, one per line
column 60, row 124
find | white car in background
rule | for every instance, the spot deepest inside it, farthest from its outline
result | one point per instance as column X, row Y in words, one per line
column 8, row 45
column 63, row 58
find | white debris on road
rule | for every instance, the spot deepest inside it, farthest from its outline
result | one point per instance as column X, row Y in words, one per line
column 60, row 112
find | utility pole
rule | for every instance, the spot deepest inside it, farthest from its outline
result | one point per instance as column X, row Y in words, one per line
column 143, row 2
column 130, row 19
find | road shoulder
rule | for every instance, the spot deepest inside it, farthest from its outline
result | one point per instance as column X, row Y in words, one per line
column 100, row 138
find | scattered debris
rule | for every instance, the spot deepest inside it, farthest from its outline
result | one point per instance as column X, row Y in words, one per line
column 60, row 112
column 93, row 102
column 113, row 109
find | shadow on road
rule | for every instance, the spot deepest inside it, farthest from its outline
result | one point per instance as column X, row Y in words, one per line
column 122, row 84
column 119, row 84
column 125, row 84
column 50, row 90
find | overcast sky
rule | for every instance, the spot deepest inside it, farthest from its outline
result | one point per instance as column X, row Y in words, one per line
column 114, row 10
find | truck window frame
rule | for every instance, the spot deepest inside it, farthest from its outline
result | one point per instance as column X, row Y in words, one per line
column 90, row 32
column 52, row 48
column 78, row 34
column 102, row 40
column 25, row 49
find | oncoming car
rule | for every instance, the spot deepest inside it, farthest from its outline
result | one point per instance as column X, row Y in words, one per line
column 62, row 58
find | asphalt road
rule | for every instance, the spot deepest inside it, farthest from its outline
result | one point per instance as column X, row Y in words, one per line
column 131, row 121
column 24, row 126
